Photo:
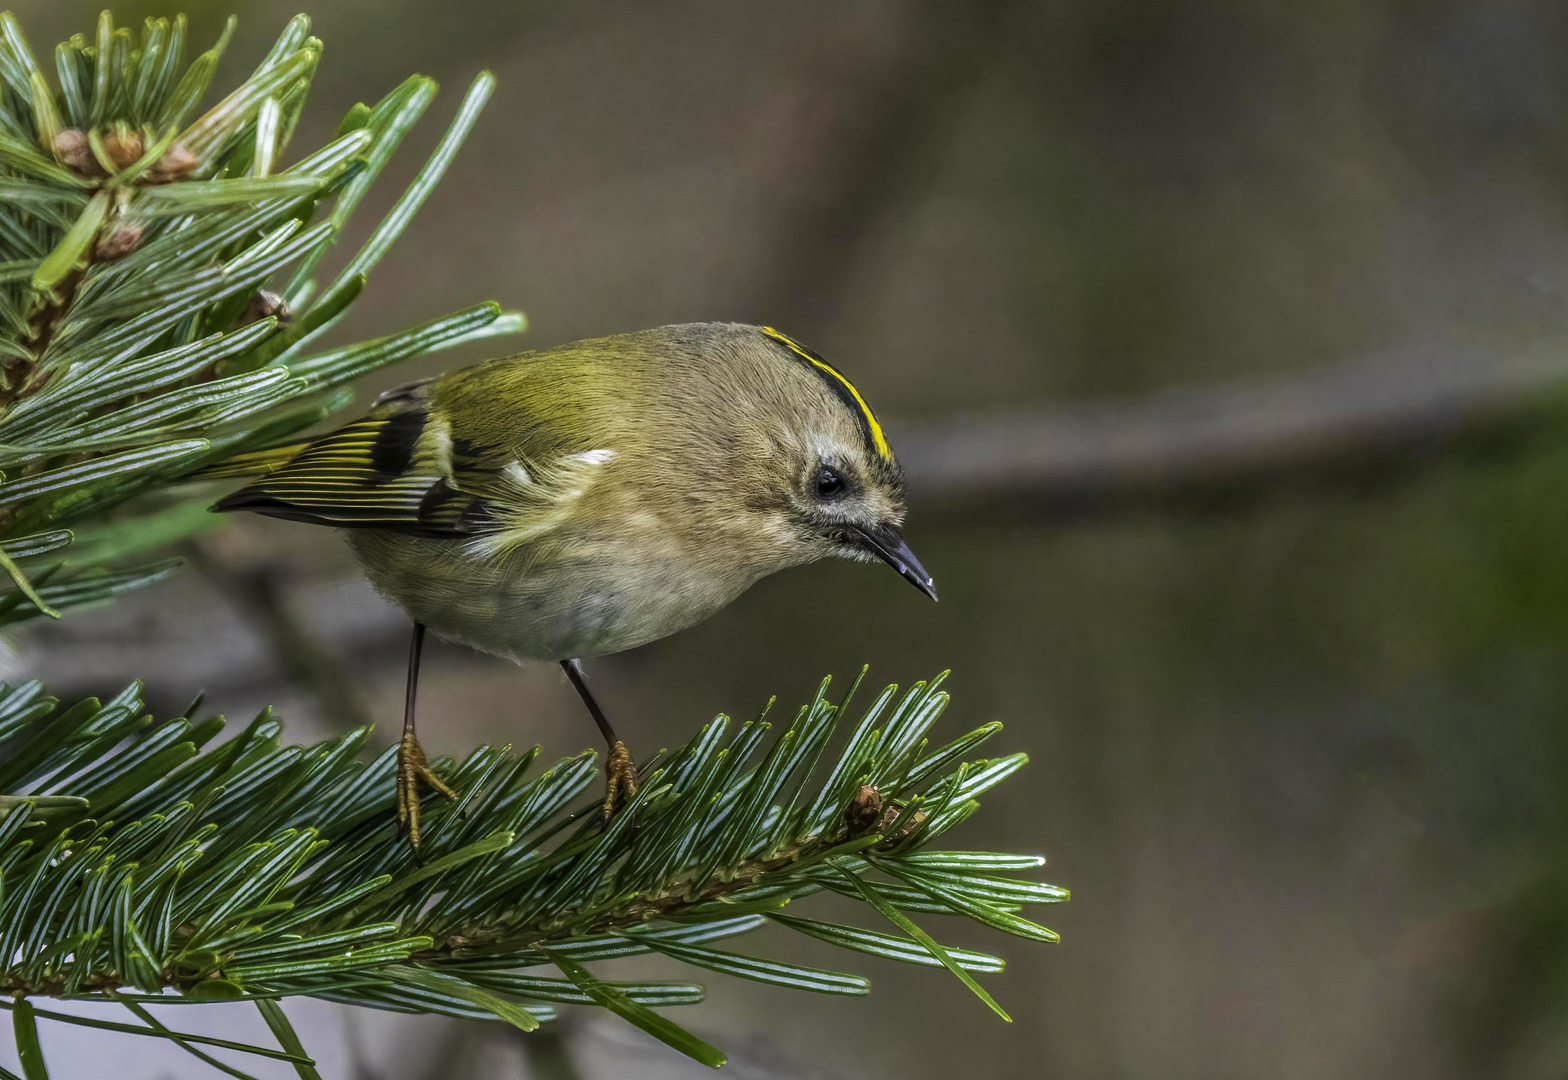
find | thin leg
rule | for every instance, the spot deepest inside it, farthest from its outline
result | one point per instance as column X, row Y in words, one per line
column 416, row 647
column 620, row 771
column 411, row 766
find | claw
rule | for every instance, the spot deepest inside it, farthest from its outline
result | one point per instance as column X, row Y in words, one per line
column 620, row 778
column 412, row 769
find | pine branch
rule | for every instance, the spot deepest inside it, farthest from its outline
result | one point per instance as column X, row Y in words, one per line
column 140, row 246
column 142, row 865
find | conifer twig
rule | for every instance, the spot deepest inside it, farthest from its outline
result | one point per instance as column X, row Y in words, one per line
column 140, row 242
column 146, row 864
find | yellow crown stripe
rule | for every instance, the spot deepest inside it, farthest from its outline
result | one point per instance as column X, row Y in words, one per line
column 878, row 440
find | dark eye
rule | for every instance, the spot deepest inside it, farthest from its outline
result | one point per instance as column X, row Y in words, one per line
column 829, row 483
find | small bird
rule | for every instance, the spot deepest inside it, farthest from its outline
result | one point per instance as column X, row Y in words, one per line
column 590, row 498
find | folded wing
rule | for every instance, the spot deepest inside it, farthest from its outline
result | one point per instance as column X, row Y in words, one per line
column 402, row 468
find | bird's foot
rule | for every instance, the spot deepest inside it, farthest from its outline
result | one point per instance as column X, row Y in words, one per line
column 412, row 770
column 620, row 778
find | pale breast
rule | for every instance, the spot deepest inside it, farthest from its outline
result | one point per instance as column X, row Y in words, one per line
column 551, row 610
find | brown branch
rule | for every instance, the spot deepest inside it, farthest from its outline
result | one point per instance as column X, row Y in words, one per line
column 1248, row 437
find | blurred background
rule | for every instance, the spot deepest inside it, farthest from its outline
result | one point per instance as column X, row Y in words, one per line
column 1224, row 344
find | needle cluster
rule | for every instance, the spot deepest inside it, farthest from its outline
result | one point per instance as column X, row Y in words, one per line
column 159, row 290
column 141, row 863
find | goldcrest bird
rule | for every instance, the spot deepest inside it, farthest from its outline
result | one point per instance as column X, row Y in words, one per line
column 590, row 498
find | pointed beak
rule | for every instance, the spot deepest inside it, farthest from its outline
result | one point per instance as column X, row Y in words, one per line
column 888, row 545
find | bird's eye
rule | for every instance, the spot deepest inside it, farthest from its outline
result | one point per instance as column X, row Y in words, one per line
column 829, row 483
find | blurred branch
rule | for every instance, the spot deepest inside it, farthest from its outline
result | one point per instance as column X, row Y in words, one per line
column 1250, row 436
column 852, row 136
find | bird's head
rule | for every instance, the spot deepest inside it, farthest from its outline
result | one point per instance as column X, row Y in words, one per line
column 828, row 483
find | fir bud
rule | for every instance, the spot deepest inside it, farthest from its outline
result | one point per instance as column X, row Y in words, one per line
column 917, row 824
column 117, row 240
column 71, row 149
column 864, row 811
column 265, row 304
column 124, row 146
column 175, row 164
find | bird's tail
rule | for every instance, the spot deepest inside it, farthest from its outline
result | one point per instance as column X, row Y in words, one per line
column 245, row 466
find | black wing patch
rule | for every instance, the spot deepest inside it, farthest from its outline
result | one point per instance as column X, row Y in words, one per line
column 382, row 472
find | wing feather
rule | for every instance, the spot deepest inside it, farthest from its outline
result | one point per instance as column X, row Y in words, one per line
column 402, row 469
column 389, row 470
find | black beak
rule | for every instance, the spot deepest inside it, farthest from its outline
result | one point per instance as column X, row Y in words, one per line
column 888, row 545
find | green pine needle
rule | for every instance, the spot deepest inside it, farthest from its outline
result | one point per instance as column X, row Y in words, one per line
column 135, row 242
column 146, row 862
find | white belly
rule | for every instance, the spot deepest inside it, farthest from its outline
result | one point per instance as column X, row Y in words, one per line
column 555, row 612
